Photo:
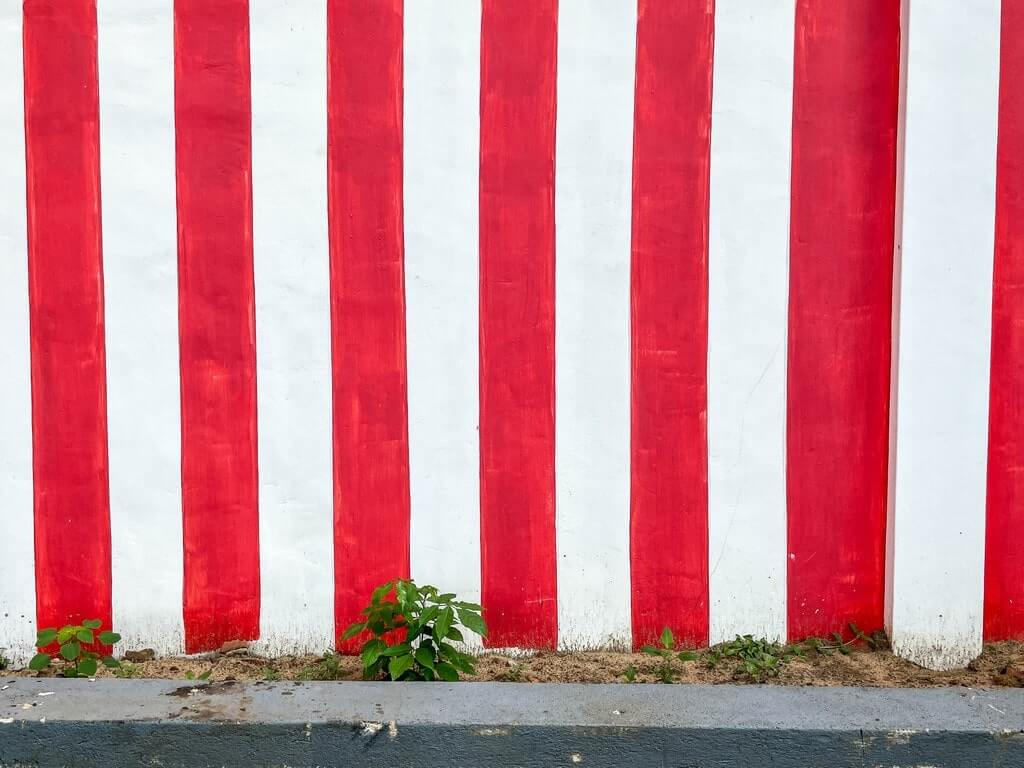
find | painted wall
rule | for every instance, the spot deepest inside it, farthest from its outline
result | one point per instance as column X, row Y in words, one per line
column 614, row 315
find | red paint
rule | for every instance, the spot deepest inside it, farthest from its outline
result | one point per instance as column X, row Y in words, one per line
column 216, row 317
column 364, row 193
column 671, row 162
column 69, row 396
column 1004, row 529
column 845, row 106
column 517, row 322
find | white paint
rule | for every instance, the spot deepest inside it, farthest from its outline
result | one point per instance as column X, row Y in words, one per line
column 593, row 211
column 140, row 264
column 748, row 282
column 442, row 128
column 945, row 319
column 17, row 561
column 293, row 324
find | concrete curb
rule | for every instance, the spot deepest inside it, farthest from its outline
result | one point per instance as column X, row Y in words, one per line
column 47, row 722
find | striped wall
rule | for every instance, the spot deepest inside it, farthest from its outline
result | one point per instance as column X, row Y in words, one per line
column 612, row 314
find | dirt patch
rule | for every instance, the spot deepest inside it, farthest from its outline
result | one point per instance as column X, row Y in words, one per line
column 1000, row 665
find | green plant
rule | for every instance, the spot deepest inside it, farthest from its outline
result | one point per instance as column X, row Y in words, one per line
column 127, row 670
column 629, row 673
column 757, row 659
column 271, row 675
column 77, row 660
column 190, row 675
column 4, row 662
column 328, row 668
column 667, row 652
column 413, row 633
column 875, row 642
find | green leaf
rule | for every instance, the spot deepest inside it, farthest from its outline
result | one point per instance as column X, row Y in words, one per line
column 456, row 635
column 444, row 621
column 372, row 651
column 87, row 667
column 447, row 672
column 84, row 635
column 66, row 633
column 45, row 637
column 425, row 657
column 472, row 621
column 381, row 592
column 92, row 623
column 470, row 606
column 70, row 672
column 206, row 675
column 111, row 662
column 400, row 665
column 406, row 592
column 687, row 656
column 354, row 630
column 397, row 650
column 650, row 650
column 109, row 638
column 668, row 640
column 39, row 661
column 70, row 651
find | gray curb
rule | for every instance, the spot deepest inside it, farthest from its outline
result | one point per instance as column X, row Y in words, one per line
column 104, row 723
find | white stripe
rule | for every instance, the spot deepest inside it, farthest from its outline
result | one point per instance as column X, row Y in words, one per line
column 136, row 82
column 442, row 127
column 293, row 329
column 17, row 564
column 748, row 318
column 938, row 524
column 593, row 209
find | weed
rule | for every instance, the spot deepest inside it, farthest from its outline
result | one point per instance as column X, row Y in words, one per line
column 629, row 673
column 667, row 652
column 190, row 675
column 76, row 660
column 4, row 662
column 412, row 633
column 756, row 659
column 127, row 670
column 271, row 675
column 514, row 674
column 328, row 668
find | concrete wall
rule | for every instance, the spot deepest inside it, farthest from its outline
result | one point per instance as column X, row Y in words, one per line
column 612, row 315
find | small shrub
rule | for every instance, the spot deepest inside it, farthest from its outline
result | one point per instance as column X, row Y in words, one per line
column 75, row 658
column 667, row 652
column 413, row 633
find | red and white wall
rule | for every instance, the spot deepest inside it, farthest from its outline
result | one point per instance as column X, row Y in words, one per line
column 615, row 315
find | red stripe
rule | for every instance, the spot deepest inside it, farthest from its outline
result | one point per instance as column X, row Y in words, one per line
column 671, row 160
column 1004, row 531
column 69, row 410
column 517, row 321
column 371, row 445
column 216, row 322
column 845, row 105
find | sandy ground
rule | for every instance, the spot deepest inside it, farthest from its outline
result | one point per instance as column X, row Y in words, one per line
column 1001, row 665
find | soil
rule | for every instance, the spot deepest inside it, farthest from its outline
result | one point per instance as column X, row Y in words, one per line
column 1000, row 665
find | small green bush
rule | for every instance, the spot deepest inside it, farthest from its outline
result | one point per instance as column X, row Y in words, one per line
column 76, row 660
column 413, row 630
